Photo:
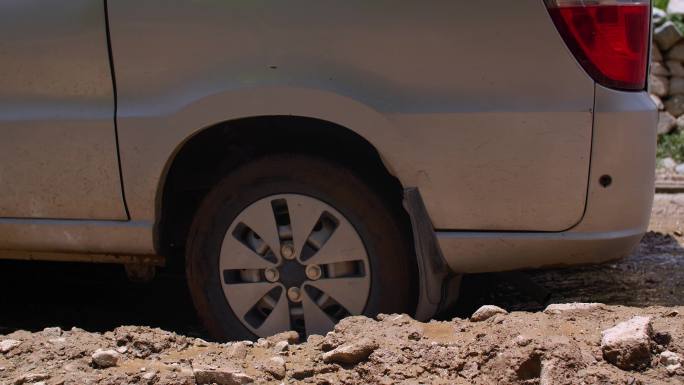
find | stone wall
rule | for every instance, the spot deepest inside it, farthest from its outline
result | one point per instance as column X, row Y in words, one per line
column 667, row 72
column 666, row 80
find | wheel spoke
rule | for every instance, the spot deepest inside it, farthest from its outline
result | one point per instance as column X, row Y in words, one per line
column 259, row 217
column 243, row 296
column 315, row 319
column 235, row 255
column 304, row 213
column 279, row 319
column 343, row 245
column 256, row 278
column 345, row 291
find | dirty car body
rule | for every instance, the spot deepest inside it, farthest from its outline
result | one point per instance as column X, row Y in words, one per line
column 491, row 144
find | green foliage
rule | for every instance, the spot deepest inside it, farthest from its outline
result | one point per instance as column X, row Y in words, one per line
column 662, row 4
column 678, row 21
column 672, row 146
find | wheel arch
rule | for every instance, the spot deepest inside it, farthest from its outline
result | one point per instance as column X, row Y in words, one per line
column 208, row 153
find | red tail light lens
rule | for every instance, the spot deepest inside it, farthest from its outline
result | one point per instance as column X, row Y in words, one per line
column 609, row 38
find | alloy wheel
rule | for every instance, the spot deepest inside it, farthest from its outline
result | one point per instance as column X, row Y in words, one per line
column 293, row 262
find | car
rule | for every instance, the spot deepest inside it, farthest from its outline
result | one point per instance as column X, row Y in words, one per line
column 311, row 160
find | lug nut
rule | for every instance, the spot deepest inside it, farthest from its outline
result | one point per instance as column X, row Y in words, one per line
column 294, row 294
column 271, row 274
column 287, row 251
column 313, row 272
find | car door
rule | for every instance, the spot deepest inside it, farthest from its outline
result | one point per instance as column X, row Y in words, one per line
column 58, row 151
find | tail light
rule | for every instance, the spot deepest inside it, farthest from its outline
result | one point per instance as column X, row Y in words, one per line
column 609, row 38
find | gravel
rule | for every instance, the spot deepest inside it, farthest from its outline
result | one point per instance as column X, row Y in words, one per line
column 486, row 312
column 520, row 347
column 571, row 327
column 627, row 345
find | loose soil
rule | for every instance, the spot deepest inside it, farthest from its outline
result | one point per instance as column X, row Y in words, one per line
column 526, row 346
column 520, row 347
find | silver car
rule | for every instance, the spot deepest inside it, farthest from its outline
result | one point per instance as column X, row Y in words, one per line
column 309, row 160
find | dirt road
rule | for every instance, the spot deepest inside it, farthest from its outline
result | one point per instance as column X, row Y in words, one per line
column 564, row 347
column 526, row 346
column 652, row 275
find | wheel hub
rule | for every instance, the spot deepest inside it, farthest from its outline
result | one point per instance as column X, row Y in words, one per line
column 293, row 262
column 292, row 274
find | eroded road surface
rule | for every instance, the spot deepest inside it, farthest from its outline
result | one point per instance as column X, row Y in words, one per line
column 526, row 346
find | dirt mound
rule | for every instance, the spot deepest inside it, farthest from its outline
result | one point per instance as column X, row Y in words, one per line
column 570, row 344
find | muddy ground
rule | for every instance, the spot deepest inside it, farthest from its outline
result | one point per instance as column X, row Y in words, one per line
column 525, row 346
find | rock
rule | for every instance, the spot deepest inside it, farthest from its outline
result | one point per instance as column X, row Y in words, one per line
column 627, row 345
column 238, row 350
column 666, row 122
column 659, row 85
column 149, row 376
column 676, row 53
column 666, row 35
column 659, row 69
column 658, row 16
column 559, row 308
column 105, row 358
column 668, row 163
column 292, row 337
column 220, row 376
column 7, row 345
column 676, row 67
column 522, row 340
column 680, row 122
column 680, row 169
column 658, row 102
column 675, row 7
column 281, row 346
column 656, row 55
column 399, row 319
column 675, row 104
column 314, row 339
column 263, row 343
column 53, row 331
column 676, row 86
column 351, row 353
column 470, row 370
column 31, row 378
column 58, row 340
column 486, row 312
column 275, row 366
column 672, row 361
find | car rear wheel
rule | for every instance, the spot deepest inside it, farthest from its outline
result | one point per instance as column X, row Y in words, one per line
column 295, row 243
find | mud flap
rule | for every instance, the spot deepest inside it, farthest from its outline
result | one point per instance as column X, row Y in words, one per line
column 436, row 280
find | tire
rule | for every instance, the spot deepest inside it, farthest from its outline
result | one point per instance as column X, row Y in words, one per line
column 387, row 274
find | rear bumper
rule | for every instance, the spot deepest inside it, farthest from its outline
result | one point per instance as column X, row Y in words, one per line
column 615, row 217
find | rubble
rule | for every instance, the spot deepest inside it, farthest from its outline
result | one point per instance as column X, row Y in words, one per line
column 627, row 345
column 485, row 312
column 275, row 366
column 9, row 344
column 561, row 345
column 561, row 308
column 221, row 376
column 105, row 358
column 352, row 352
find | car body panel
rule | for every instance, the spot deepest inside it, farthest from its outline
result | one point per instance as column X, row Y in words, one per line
column 491, row 121
column 616, row 216
column 58, row 155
